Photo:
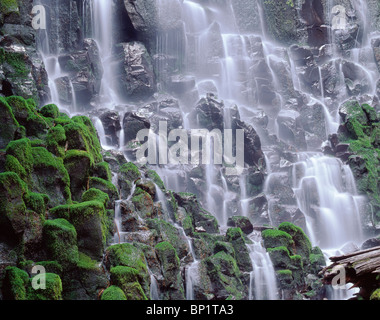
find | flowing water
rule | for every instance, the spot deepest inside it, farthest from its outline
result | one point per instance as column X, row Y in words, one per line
column 323, row 186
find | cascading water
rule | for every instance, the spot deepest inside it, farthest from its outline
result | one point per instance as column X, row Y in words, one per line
column 323, row 186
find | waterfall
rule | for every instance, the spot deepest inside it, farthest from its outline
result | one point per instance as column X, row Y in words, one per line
column 326, row 194
column 262, row 283
column 239, row 67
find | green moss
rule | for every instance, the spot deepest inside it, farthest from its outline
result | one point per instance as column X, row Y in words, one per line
column 36, row 202
column 302, row 244
column 9, row 123
column 17, row 63
column 102, row 170
column 85, row 262
column 50, row 111
column 49, row 175
column 113, row 293
column 8, row 6
column 127, row 255
column 12, row 207
column 22, row 150
column 277, row 238
column 81, row 135
column 55, row 140
column 128, row 279
column 52, row 290
column 105, row 186
column 155, row 178
column 60, row 239
column 13, row 165
column 95, row 194
column 15, row 284
column 375, row 295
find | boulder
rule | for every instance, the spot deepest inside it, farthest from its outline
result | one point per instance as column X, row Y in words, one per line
column 134, row 78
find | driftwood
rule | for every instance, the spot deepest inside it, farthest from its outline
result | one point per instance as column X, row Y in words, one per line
column 361, row 268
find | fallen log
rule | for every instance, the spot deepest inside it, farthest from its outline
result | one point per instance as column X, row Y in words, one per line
column 361, row 268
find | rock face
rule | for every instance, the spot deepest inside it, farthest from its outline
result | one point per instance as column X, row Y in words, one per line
column 21, row 70
column 135, row 77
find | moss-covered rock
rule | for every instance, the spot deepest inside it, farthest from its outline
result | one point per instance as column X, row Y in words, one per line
column 360, row 128
column 113, row 293
column 91, row 223
column 302, row 245
column 15, row 284
column 50, row 176
column 276, row 238
column 281, row 20
column 78, row 164
column 105, row 186
column 50, row 111
column 225, row 277
column 56, row 140
column 52, row 289
column 170, row 265
column 168, row 233
column 37, row 202
column 97, row 195
column 128, row 279
column 12, row 207
column 143, row 203
column 81, row 135
column 9, row 125
column 60, row 240
column 127, row 255
column 153, row 175
column 127, row 175
column 241, row 222
column 22, row 151
column 236, row 238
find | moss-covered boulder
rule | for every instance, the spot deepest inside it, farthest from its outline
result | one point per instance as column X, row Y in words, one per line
column 113, row 293
column 128, row 255
column 19, row 158
column 50, row 176
column 170, row 265
column 281, row 19
column 9, row 125
column 81, row 135
column 143, row 203
column 12, row 207
column 91, row 222
column 236, row 237
column 240, row 222
column 200, row 217
column 375, row 295
column 60, row 240
column 84, row 281
column 225, row 277
column 127, row 175
column 15, row 284
column 128, row 279
column 169, row 233
column 105, row 186
column 276, row 238
column 78, row 164
column 52, row 289
column 302, row 245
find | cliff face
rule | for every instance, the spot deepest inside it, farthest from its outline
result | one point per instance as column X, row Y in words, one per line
column 75, row 202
